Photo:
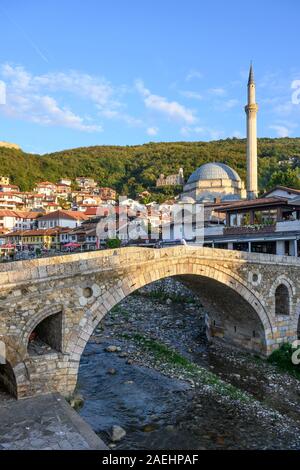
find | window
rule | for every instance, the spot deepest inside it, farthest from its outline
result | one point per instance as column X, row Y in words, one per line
column 282, row 300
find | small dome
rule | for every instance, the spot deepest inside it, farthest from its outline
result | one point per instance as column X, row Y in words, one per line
column 213, row 171
column 187, row 200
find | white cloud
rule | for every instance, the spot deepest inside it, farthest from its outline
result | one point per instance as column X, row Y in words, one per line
column 193, row 95
column 217, row 91
column 45, row 110
column 172, row 109
column 238, row 134
column 204, row 132
column 193, row 74
column 34, row 91
column 231, row 103
column 27, row 98
column 282, row 131
column 2, row 92
column 152, row 131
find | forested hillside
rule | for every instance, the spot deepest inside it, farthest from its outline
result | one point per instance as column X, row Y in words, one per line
column 132, row 169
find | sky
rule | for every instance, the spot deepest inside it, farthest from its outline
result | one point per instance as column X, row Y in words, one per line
column 123, row 72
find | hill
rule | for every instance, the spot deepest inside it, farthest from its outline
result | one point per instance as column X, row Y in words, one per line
column 132, row 169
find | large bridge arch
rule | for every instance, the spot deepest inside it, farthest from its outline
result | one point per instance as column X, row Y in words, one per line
column 113, row 295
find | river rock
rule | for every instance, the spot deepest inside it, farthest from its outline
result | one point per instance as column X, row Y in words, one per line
column 117, row 433
column 123, row 354
column 236, row 376
column 112, row 348
column 149, row 427
column 170, row 428
column 111, row 371
column 77, row 401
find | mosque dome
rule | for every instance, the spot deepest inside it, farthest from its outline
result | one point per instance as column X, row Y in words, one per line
column 213, row 171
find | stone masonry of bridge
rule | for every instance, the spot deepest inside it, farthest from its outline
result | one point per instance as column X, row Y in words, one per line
column 65, row 297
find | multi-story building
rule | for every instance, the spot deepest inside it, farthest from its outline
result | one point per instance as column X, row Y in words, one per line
column 9, row 188
column 18, row 220
column 35, row 239
column 26, row 220
column 107, row 194
column 63, row 190
column 66, row 181
column 269, row 224
column 7, row 220
column 61, row 218
column 86, row 183
column 11, row 200
column 45, row 187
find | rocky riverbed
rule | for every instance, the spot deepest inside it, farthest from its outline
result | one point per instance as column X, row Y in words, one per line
column 150, row 380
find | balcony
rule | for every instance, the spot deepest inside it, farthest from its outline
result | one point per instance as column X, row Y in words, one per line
column 288, row 226
column 213, row 230
column 250, row 229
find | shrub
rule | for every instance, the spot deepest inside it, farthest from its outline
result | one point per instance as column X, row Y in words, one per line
column 282, row 358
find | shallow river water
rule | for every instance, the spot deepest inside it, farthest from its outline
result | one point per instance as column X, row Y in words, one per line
column 161, row 412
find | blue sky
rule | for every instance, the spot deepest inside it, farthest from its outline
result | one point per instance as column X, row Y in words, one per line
column 126, row 72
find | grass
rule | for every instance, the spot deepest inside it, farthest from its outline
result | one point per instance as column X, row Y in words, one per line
column 179, row 363
column 118, row 310
column 282, row 358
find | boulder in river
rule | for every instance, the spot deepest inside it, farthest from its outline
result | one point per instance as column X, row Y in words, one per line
column 117, row 433
column 111, row 348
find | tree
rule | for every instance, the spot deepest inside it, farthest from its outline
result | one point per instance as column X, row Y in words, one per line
column 289, row 178
column 113, row 243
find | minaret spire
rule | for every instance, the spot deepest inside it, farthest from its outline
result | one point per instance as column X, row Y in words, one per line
column 251, row 75
column 251, row 111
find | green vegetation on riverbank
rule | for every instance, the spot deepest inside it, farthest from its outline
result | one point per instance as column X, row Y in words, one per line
column 182, row 367
column 282, row 358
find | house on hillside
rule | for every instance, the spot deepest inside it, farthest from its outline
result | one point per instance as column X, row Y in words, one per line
column 61, row 218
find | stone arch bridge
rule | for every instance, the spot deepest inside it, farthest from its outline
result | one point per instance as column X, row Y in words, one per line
column 252, row 302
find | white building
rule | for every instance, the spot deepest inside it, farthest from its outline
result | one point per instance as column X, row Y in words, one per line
column 61, row 218
column 45, row 187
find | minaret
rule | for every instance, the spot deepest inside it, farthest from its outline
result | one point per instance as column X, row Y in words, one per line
column 251, row 110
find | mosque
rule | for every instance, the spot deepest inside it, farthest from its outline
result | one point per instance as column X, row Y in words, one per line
column 217, row 181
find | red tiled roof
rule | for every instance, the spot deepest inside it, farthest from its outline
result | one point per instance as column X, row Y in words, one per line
column 38, row 232
column 8, row 186
column 45, row 183
column 91, row 211
column 74, row 215
column 28, row 215
column 7, row 213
